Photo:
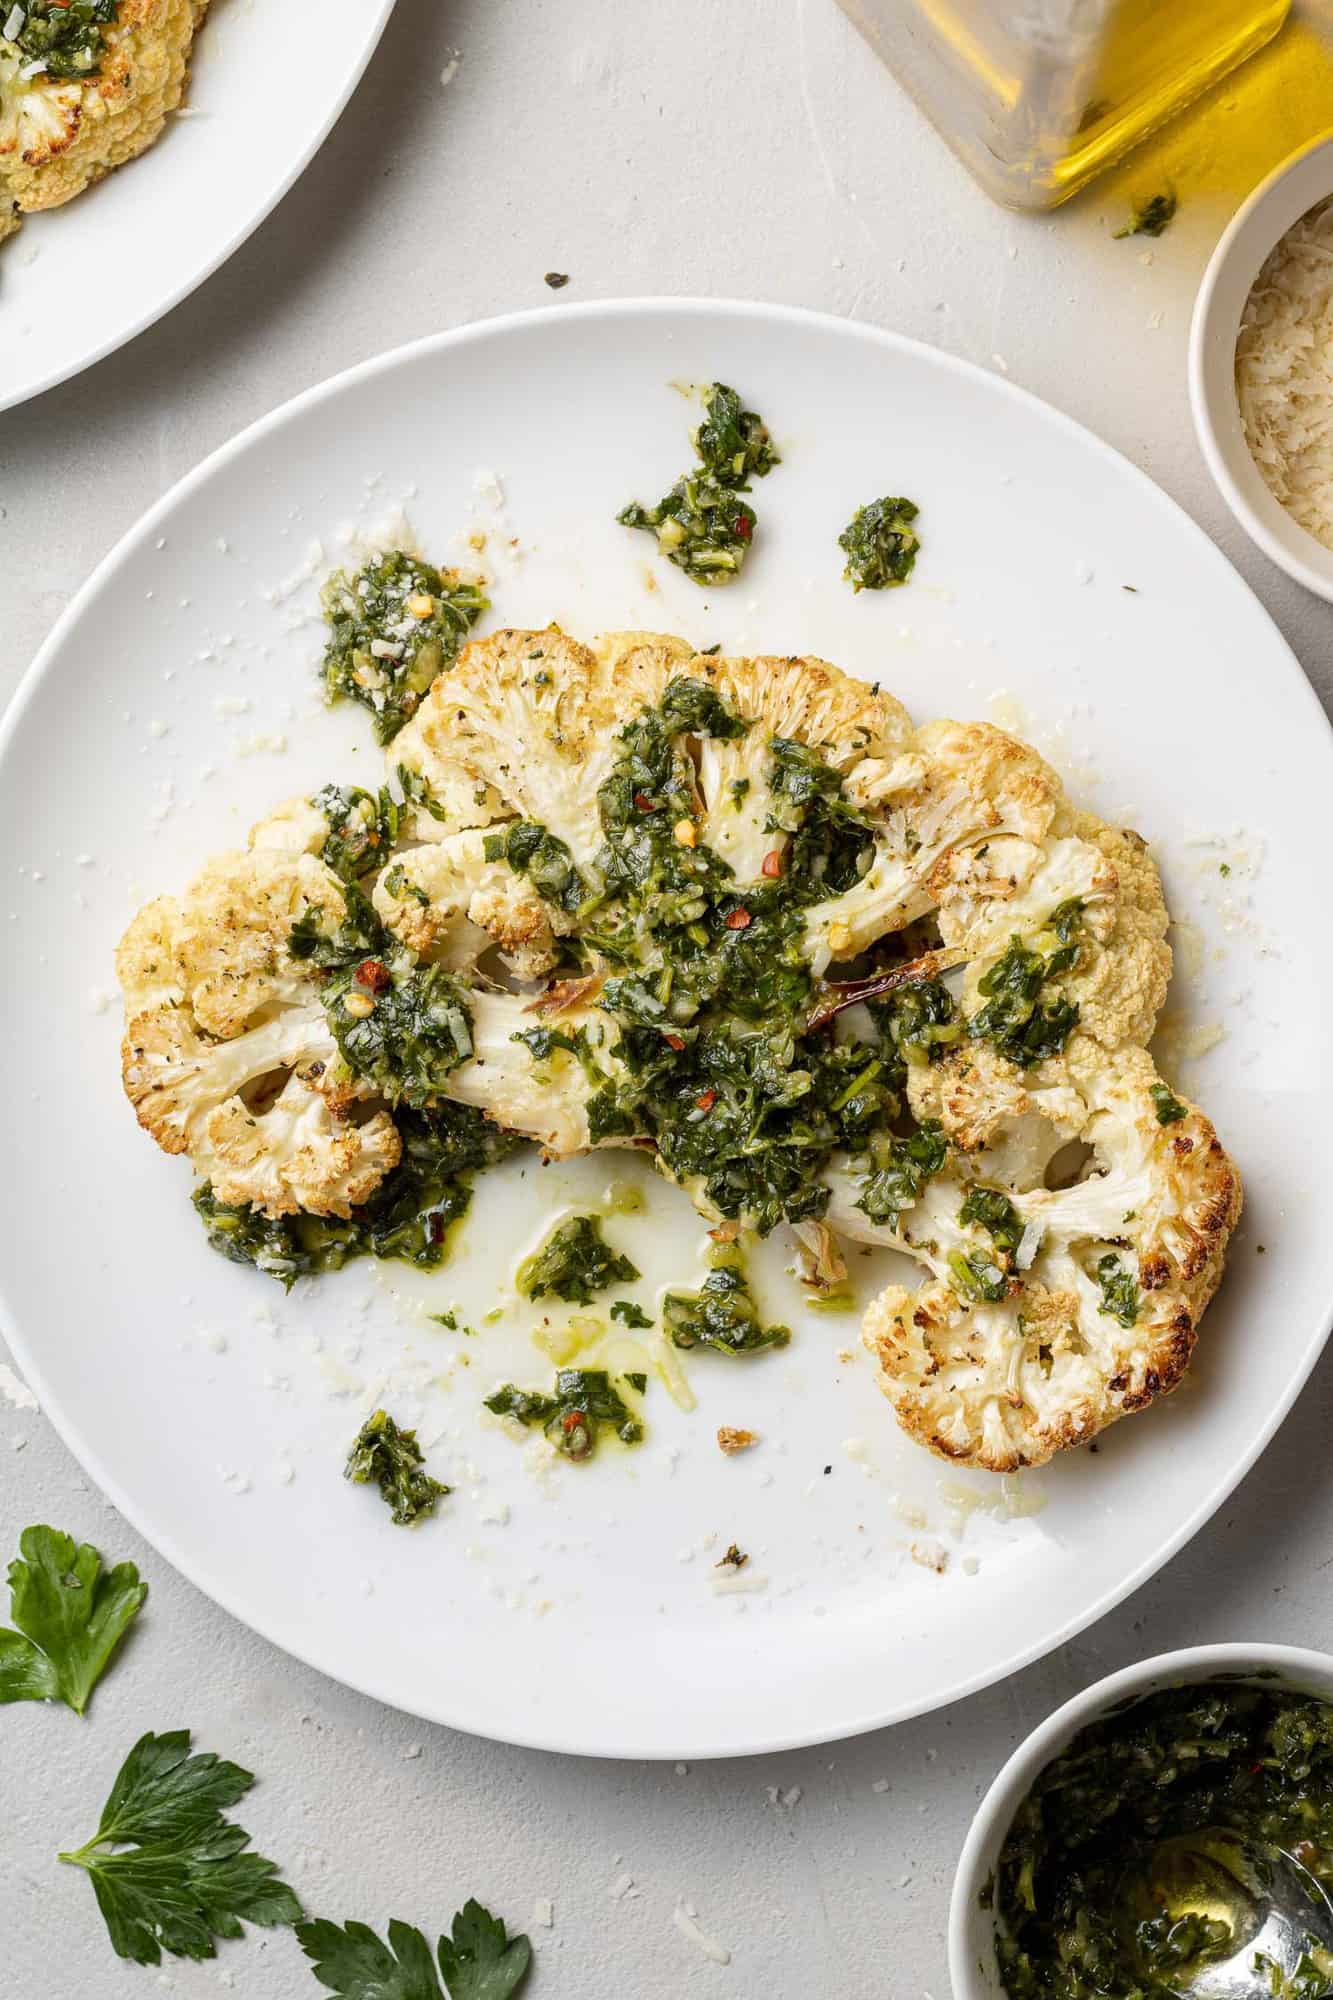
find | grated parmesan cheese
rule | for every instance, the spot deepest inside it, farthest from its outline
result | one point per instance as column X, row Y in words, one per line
column 1284, row 372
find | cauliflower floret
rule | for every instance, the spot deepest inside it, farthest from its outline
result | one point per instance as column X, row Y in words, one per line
column 1091, row 1312
column 988, row 1107
column 297, row 825
column 449, row 904
column 974, row 783
column 296, row 1155
column 803, row 699
column 527, row 721
column 58, row 135
column 204, row 1098
column 146, row 959
column 1120, row 981
column 989, row 896
column 986, row 894
column 174, row 1077
column 223, row 945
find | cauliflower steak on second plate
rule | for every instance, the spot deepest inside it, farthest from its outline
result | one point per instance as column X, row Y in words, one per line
column 877, row 982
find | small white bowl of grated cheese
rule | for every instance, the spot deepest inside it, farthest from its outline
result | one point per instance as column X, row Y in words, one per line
column 1261, row 366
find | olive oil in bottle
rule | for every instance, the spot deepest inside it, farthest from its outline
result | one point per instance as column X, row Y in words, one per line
column 1038, row 96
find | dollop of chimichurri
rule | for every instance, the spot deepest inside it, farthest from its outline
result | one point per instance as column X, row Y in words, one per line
column 582, row 1405
column 393, row 627
column 722, row 1313
column 386, row 1456
column 702, row 525
column 63, row 36
column 880, row 544
column 573, row 1264
column 1103, row 1891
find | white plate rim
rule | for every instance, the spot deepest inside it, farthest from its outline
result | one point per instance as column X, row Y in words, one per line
column 628, row 310
column 379, row 12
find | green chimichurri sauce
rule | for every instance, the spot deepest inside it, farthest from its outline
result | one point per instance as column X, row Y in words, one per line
column 712, row 989
column 1152, row 217
column 880, row 544
column 65, row 38
column 702, row 525
column 408, row 1216
column 574, row 1263
column 1101, row 1890
column 582, row 1405
column 1022, row 1024
column 383, row 1455
column 393, row 626
column 721, row 1314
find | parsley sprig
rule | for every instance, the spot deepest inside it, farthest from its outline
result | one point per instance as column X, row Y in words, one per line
column 70, row 1616
column 169, row 1872
column 478, row 1961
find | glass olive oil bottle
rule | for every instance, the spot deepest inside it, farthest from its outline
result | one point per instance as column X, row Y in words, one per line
column 1037, row 96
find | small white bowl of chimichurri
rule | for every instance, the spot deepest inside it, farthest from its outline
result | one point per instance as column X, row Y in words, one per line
column 1138, row 1842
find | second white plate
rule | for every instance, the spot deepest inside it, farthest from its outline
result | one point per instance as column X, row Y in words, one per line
column 79, row 281
column 1057, row 590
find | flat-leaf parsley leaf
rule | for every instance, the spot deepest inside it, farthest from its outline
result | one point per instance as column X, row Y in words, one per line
column 70, row 1617
column 169, row 1872
column 478, row 1960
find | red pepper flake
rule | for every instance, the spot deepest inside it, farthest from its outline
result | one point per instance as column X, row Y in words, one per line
column 739, row 920
column 372, row 972
column 773, row 863
column 707, row 1101
column 674, row 1042
column 744, row 526
column 644, row 803
column 577, row 1433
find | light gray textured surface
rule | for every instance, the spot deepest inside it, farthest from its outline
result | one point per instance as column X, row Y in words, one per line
column 755, row 150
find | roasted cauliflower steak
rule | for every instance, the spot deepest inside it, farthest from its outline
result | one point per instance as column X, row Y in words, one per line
column 83, row 90
column 883, row 982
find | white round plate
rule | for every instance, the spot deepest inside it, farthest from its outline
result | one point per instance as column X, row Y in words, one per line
column 78, row 282
column 1056, row 588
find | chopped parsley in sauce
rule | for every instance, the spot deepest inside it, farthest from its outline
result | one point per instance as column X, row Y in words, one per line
column 393, row 626
column 1169, row 1108
column 1120, row 1291
column 390, row 1458
column 1024, row 1025
column 64, row 36
column 399, row 1023
column 574, row 1263
column 702, row 525
column 1152, row 217
column 582, row 1405
column 1115, row 1879
column 880, row 544
column 712, row 988
column 721, row 1314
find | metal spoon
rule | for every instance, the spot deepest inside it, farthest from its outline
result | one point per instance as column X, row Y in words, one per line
column 1276, row 1910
